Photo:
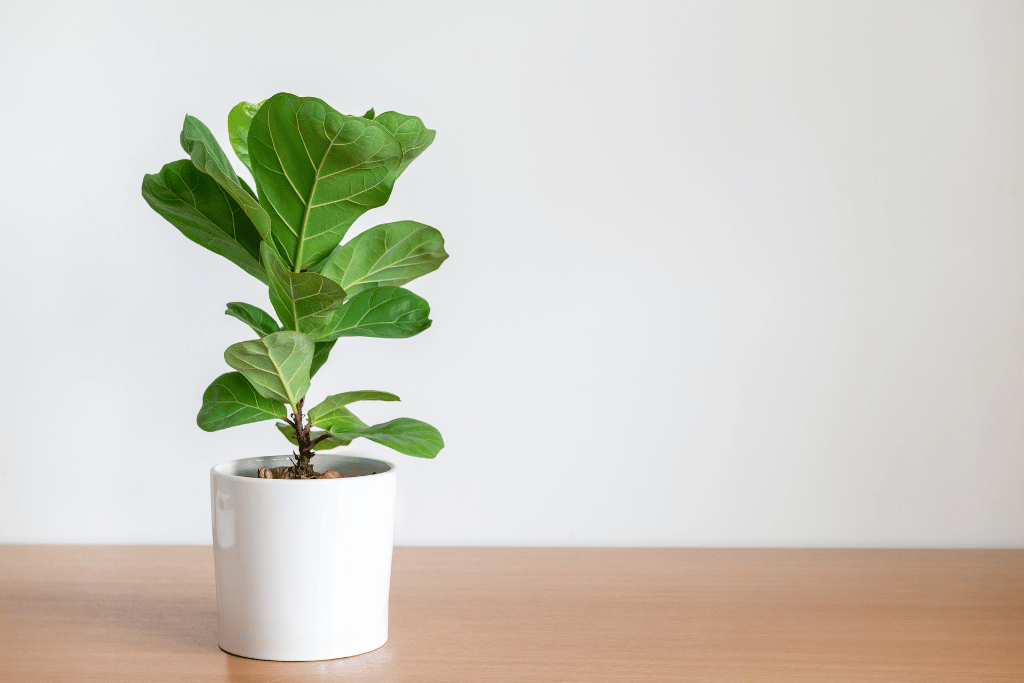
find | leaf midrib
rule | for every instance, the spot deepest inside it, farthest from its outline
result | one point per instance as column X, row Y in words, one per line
column 312, row 190
column 400, row 263
column 280, row 373
column 308, row 202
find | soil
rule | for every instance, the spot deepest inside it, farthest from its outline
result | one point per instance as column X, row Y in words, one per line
column 285, row 472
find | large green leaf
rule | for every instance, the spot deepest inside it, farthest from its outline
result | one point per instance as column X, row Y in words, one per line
column 277, row 365
column 388, row 254
column 410, row 133
column 205, row 213
column 321, row 350
column 261, row 322
column 207, row 155
column 390, row 312
column 232, row 400
column 303, row 301
column 327, row 414
column 317, row 171
column 405, row 435
column 239, row 120
column 325, row 445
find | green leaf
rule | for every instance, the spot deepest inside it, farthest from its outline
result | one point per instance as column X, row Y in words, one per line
column 410, row 133
column 405, row 435
column 239, row 120
column 205, row 213
column 326, row 413
column 390, row 312
column 369, row 114
column 261, row 322
column 207, row 155
column 321, row 350
column 325, row 445
column 303, row 301
column 232, row 400
column 317, row 171
column 339, row 419
column 388, row 254
column 277, row 365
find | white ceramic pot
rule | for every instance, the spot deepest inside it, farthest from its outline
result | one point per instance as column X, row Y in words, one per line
column 303, row 566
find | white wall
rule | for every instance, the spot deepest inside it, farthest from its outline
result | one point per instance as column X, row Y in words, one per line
column 721, row 274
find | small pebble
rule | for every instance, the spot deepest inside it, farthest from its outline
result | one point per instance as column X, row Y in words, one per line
column 331, row 474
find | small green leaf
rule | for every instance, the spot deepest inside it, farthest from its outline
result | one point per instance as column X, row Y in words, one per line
column 405, row 435
column 325, row 445
column 239, row 120
column 232, row 400
column 303, row 301
column 390, row 312
column 388, row 254
column 277, row 365
column 205, row 213
column 339, row 419
column 207, row 155
column 321, row 350
column 261, row 322
column 410, row 133
column 317, row 171
column 324, row 413
column 369, row 114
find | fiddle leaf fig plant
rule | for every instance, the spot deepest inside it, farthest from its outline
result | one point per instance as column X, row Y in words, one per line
column 316, row 171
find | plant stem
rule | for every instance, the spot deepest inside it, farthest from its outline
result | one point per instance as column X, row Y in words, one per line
column 302, row 468
column 320, row 438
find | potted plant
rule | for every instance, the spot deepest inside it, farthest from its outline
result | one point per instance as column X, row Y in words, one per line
column 302, row 544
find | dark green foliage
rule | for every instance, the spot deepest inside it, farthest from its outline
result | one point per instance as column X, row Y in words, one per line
column 316, row 171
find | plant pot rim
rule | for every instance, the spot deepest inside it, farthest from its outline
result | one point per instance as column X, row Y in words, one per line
column 228, row 468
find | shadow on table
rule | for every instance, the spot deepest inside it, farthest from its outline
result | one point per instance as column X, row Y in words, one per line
column 376, row 666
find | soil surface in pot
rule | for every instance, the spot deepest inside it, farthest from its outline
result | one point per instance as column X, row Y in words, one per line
column 285, row 472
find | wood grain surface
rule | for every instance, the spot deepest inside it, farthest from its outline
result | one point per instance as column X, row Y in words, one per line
column 93, row 613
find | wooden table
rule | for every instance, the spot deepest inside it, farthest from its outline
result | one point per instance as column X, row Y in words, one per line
column 91, row 613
